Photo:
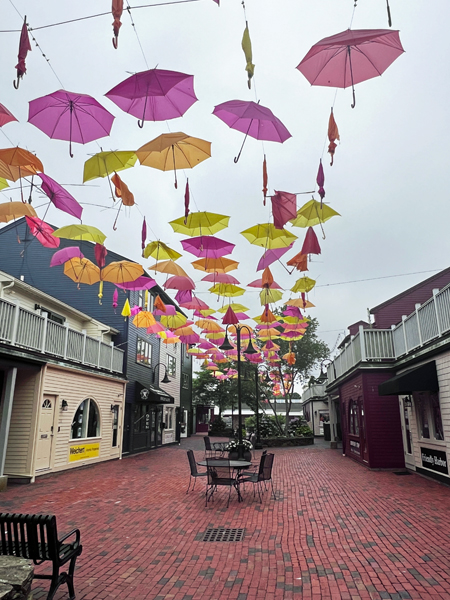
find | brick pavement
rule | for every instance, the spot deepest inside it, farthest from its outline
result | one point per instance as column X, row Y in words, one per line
column 336, row 531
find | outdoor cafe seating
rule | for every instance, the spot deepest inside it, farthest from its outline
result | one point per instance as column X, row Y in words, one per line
column 221, row 473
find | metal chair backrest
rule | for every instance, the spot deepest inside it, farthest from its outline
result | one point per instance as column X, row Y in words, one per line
column 192, row 463
column 267, row 468
column 29, row 536
column 261, row 466
column 208, row 446
column 219, row 471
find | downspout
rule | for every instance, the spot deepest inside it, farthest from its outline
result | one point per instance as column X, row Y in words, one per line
column 7, row 287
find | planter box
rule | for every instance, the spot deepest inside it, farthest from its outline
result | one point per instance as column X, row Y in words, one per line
column 281, row 442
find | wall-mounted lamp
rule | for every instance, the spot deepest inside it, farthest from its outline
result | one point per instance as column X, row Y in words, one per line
column 64, row 405
column 165, row 379
column 113, row 407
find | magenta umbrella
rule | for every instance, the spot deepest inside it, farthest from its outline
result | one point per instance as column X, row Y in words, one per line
column 69, row 116
column 5, row 116
column 221, row 278
column 179, row 282
column 193, row 338
column 42, row 232
column 24, row 48
column 349, row 57
column 207, row 246
column 195, row 304
column 60, row 197
column 62, row 256
column 141, row 283
column 258, row 284
column 252, row 119
column 154, row 95
column 284, row 208
column 183, row 296
column 270, row 256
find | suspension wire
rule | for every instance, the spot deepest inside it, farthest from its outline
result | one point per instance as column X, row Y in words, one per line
column 128, row 9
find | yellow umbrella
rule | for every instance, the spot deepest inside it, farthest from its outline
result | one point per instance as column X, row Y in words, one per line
column 172, row 151
column 3, row 183
column 80, row 232
column 104, row 164
column 200, row 223
column 304, row 284
column 267, row 236
column 82, row 270
column 227, row 289
column 215, row 265
column 173, row 321
column 14, row 210
column 234, row 307
column 144, row 319
column 312, row 213
column 292, row 338
column 207, row 312
column 208, row 325
column 268, row 296
column 215, row 335
column 268, row 333
column 160, row 251
column 294, row 320
column 168, row 266
column 121, row 271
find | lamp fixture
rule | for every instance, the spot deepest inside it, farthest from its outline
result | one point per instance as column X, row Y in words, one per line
column 113, row 407
column 64, row 405
column 165, row 378
column 226, row 344
column 250, row 349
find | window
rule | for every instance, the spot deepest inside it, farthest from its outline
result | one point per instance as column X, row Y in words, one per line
column 353, row 414
column 169, row 418
column 145, row 300
column 115, row 425
column 144, row 352
column 429, row 416
column 185, row 381
column 86, row 423
column 171, row 366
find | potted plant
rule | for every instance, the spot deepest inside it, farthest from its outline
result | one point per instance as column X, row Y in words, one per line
column 233, row 446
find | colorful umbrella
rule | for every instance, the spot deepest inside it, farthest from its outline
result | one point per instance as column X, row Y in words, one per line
column 196, row 304
column 350, row 57
column 300, row 302
column 172, row 151
column 122, row 271
column 247, row 48
column 60, row 197
column 208, row 325
column 14, row 210
column 284, row 208
column 333, row 134
column 168, row 266
column 313, row 213
column 304, row 284
column 17, row 162
column 144, row 319
column 103, row 164
column 24, row 48
column 207, row 246
column 268, row 296
column 179, row 283
column 70, row 116
column 173, row 321
column 80, row 232
column 160, row 251
column 227, row 289
column 141, row 283
column 5, row 116
column 3, row 183
column 215, row 265
column 42, row 232
column 270, row 256
column 252, row 119
column 299, row 261
column 200, row 223
column 267, row 236
column 234, row 306
column 221, row 278
column 258, row 283
column 117, row 10
column 82, row 270
column 62, row 256
column 154, row 95
column 311, row 243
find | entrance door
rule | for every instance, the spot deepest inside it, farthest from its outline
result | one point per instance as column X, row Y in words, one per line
column 405, row 411
column 45, row 433
column 184, row 424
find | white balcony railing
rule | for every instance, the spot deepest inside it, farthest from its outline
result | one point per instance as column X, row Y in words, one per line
column 429, row 321
column 24, row 329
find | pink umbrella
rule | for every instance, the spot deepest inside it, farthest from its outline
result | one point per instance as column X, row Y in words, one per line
column 141, row 283
column 42, row 232
column 117, row 10
column 311, row 243
column 170, row 311
column 24, row 48
column 230, row 317
column 221, row 278
column 259, row 284
column 62, row 256
column 321, row 181
column 5, row 116
column 241, row 316
column 350, row 57
column 179, row 283
column 69, row 116
column 154, row 95
column 193, row 338
column 183, row 296
column 252, row 119
column 284, row 208
column 155, row 328
column 60, row 197
column 207, row 246
column 270, row 256
column 204, row 345
column 195, row 304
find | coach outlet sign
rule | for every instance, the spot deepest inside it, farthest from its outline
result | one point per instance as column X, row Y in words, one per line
column 83, row 451
column 436, row 460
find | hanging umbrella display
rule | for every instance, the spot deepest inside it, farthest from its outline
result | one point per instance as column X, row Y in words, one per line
column 196, row 304
column 215, row 265
column 200, row 223
column 17, row 162
column 311, row 243
column 269, row 296
column 168, row 266
column 284, row 208
column 270, row 256
column 187, row 335
column 121, row 191
column 122, row 271
column 60, row 197
column 300, row 302
column 304, row 284
column 221, row 278
column 117, row 10
column 14, row 210
column 179, row 283
column 313, row 213
column 80, row 232
column 258, row 283
column 172, row 151
column 234, row 306
column 154, row 95
column 227, row 289
column 267, row 236
column 350, row 57
column 299, row 262
column 71, row 117
column 207, row 246
column 208, row 325
column 141, row 283
column 24, row 48
column 42, row 232
column 65, row 254
column 173, row 321
column 82, row 270
column 247, row 48
column 252, row 119
column 144, row 319
column 160, row 251
column 333, row 134
column 5, row 116
column 104, row 164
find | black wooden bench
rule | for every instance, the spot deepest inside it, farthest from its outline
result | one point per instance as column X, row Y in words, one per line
column 35, row 537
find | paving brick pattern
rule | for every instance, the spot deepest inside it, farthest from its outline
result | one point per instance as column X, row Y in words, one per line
column 335, row 531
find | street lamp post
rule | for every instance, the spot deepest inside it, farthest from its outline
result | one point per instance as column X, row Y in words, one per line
column 258, row 445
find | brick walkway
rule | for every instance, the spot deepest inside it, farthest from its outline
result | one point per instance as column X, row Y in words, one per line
column 336, row 531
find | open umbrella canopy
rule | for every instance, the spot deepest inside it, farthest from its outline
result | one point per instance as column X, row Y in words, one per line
column 173, row 321
column 5, row 116
column 200, row 223
column 122, row 271
column 160, row 251
column 215, row 265
column 14, row 210
column 208, row 325
column 168, row 266
column 267, row 236
column 196, row 304
column 269, row 296
column 252, row 119
column 104, row 164
column 141, row 283
column 313, row 213
column 235, row 306
column 70, row 116
column 42, row 232
column 62, row 256
column 80, row 232
column 144, row 319
column 300, row 302
column 179, row 283
column 227, row 289
column 171, row 151
column 258, row 283
column 207, row 246
column 304, row 284
column 17, row 162
column 220, row 278
column 154, row 95
column 60, row 197
column 82, row 270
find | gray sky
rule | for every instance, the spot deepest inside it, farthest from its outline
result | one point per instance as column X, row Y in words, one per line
column 388, row 177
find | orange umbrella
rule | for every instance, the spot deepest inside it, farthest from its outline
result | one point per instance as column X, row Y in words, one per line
column 14, row 210
column 82, row 270
column 300, row 303
column 215, row 265
column 169, row 266
column 117, row 10
column 333, row 134
column 299, row 261
column 144, row 319
column 17, row 162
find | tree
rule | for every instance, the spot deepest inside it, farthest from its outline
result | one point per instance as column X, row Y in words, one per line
column 208, row 390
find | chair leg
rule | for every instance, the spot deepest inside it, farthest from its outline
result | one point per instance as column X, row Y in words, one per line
column 273, row 491
column 259, row 491
column 190, row 479
column 70, row 578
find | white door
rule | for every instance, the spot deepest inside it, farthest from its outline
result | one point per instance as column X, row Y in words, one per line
column 184, row 424
column 45, row 433
column 405, row 411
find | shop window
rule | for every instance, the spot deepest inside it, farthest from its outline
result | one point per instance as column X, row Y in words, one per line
column 86, row 423
column 429, row 416
column 169, row 418
column 353, row 418
column 144, row 352
column 171, row 366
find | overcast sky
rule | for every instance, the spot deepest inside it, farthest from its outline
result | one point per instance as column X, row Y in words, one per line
column 390, row 171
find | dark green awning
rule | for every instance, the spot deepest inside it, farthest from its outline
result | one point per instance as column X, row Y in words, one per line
column 420, row 379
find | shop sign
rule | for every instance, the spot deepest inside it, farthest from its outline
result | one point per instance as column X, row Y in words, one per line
column 355, row 447
column 84, row 451
column 436, row 460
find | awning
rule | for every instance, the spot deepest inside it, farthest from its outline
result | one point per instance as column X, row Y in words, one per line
column 151, row 393
column 420, row 379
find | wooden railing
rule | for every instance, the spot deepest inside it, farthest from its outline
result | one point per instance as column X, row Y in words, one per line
column 24, row 329
column 429, row 321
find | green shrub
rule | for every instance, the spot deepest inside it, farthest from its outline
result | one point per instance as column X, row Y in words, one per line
column 218, row 426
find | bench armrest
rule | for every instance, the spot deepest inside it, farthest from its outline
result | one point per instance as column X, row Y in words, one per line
column 73, row 532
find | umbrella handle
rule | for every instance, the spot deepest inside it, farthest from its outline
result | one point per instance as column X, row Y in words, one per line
column 354, row 98
column 174, row 168
column 389, row 13
column 141, row 123
column 16, row 82
column 115, row 42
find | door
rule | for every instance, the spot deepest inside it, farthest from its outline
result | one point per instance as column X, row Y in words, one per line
column 405, row 411
column 45, row 433
column 115, row 426
column 184, row 424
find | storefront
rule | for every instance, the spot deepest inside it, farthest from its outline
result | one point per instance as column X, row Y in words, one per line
column 151, row 417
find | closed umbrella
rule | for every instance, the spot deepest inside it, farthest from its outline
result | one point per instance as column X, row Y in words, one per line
column 42, row 232
column 24, row 48
column 60, row 197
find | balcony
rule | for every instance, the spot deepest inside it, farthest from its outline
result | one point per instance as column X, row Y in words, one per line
column 22, row 328
column 428, row 322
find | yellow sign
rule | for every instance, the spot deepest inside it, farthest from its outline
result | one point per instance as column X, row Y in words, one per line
column 84, row 451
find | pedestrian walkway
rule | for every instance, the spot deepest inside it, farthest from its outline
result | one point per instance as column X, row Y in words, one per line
column 336, row 530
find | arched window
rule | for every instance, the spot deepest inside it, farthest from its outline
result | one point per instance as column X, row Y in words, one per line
column 86, row 422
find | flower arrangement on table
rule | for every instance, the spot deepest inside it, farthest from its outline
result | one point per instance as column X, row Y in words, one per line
column 233, row 445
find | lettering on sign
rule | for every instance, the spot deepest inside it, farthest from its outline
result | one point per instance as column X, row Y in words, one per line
column 355, row 447
column 84, row 451
column 436, row 460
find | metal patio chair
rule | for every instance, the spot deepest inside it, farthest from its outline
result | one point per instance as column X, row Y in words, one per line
column 263, row 475
column 220, row 474
column 194, row 472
